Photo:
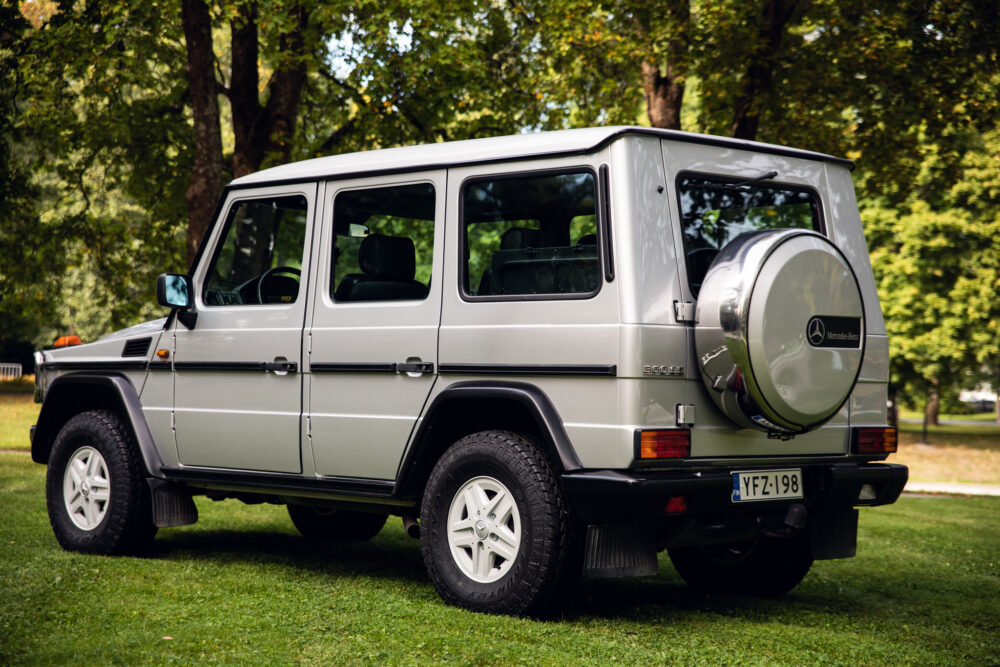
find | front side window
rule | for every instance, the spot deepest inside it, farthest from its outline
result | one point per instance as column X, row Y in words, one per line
column 384, row 243
column 259, row 256
column 530, row 235
column 715, row 210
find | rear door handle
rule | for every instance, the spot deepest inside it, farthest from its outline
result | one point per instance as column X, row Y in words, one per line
column 280, row 366
column 415, row 367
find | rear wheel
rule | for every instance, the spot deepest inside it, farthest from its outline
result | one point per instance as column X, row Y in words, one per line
column 96, row 492
column 765, row 567
column 493, row 530
column 333, row 525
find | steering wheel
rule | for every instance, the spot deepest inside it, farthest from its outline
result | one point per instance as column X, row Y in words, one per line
column 270, row 272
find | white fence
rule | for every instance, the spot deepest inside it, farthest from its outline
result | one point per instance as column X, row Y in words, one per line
column 10, row 371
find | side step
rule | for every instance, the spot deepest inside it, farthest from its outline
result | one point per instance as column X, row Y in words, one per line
column 172, row 504
column 620, row 550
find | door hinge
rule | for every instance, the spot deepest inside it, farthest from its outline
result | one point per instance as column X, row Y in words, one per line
column 685, row 415
column 684, row 311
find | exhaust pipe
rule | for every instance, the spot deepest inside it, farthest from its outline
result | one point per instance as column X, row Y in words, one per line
column 411, row 526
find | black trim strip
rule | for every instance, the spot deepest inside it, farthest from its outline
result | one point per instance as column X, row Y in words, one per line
column 353, row 486
column 600, row 370
column 160, row 366
column 284, row 366
column 137, row 365
column 705, row 140
column 361, row 367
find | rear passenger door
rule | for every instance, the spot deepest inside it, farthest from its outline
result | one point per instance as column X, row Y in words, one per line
column 372, row 338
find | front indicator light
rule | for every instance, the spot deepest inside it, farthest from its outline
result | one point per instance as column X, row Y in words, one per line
column 867, row 492
column 666, row 444
column 874, row 440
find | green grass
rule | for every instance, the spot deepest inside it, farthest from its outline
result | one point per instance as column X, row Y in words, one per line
column 18, row 411
column 966, row 435
column 241, row 587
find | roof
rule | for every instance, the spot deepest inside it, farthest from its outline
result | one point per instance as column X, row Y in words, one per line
column 493, row 149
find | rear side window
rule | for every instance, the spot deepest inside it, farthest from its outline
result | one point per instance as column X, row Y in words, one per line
column 531, row 235
column 715, row 210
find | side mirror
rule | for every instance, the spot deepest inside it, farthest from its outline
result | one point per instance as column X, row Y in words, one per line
column 173, row 290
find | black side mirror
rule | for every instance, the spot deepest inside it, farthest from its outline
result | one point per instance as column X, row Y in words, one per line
column 173, row 290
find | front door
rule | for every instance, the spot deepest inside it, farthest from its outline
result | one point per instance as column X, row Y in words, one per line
column 376, row 307
column 238, row 390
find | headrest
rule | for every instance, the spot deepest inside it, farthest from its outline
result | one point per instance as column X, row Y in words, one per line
column 519, row 238
column 387, row 257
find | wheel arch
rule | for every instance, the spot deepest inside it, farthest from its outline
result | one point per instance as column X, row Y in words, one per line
column 71, row 394
column 471, row 406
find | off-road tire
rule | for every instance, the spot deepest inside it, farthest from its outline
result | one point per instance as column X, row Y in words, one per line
column 333, row 525
column 764, row 567
column 542, row 565
column 126, row 526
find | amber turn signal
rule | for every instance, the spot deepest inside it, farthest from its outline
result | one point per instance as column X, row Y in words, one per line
column 667, row 444
column 874, row 440
column 163, row 354
column 66, row 341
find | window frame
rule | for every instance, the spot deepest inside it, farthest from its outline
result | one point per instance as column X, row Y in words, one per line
column 601, row 210
column 331, row 286
column 723, row 179
column 220, row 240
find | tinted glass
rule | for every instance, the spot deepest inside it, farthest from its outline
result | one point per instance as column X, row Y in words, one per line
column 715, row 210
column 384, row 243
column 531, row 235
column 259, row 257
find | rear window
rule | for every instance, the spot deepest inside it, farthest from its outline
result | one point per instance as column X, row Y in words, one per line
column 715, row 210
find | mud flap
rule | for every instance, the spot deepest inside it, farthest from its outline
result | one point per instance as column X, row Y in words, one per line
column 620, row 550
column 834, row 533
column 172, row 504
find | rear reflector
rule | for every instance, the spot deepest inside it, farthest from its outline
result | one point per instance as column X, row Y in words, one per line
column 874, row 441
column 668, row 444
column 676, row 505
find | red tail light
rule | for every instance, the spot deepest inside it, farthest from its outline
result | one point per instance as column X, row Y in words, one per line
column 667, row 444
column 874, row 441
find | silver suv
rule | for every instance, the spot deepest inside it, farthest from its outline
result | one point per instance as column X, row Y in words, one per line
column 550, row 354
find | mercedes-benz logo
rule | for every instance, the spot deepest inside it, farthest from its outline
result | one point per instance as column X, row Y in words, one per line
column 816, row 331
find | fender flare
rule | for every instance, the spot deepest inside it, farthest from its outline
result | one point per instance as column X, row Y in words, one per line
column 64, row 389
column 554, row 438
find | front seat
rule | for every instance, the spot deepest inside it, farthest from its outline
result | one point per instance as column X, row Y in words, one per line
column 388, row 263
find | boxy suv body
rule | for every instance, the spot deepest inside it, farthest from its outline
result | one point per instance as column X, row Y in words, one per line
column 561, row 352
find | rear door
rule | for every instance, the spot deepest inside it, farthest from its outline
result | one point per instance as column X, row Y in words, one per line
column 372, row 343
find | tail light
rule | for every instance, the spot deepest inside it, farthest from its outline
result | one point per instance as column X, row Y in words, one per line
column 874, row 440
column 666, row 444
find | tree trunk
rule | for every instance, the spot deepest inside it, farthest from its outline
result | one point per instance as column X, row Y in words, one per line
column 265, row 133
column 933, row 405
column 664, row 95
column 206, row 176
column 758, row 81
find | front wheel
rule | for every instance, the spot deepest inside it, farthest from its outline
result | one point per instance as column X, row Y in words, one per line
column 493, row 528
column 765, row 566
column 96, row 492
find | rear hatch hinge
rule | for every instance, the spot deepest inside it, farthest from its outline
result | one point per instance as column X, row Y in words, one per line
column 684, row 311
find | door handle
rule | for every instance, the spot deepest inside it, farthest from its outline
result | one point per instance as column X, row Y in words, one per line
column 280, row 366
column 415, row 367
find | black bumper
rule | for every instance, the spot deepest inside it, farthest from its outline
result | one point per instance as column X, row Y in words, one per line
column 609, row 496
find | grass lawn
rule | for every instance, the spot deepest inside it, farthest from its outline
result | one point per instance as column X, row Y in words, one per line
column 953, row 453
column 241, row 587
column 18, row 411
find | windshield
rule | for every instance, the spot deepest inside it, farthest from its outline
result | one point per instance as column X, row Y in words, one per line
column 715, row 210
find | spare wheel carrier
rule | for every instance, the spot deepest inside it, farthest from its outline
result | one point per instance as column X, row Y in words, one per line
column 780, row 330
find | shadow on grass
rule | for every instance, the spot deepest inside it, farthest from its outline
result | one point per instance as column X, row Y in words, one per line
column 384, row 557
column 393, row 557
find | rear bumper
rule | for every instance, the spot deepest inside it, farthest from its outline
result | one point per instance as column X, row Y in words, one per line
column 610, row 496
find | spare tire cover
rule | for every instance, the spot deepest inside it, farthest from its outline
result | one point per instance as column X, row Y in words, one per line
column 780, row 330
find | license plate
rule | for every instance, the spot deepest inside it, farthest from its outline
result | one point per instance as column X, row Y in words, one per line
column 766, row 485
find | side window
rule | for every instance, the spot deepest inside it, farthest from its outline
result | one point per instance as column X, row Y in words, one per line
column 259, row 257
column 715, row 210
column 383, row 243
column 531, row 235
